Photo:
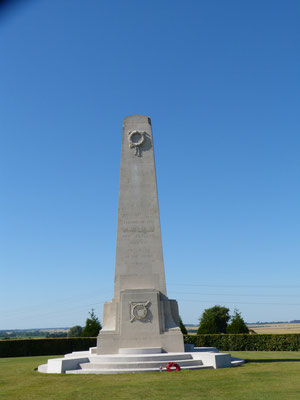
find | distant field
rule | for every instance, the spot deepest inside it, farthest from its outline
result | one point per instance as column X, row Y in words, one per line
column 276, row 328
column 33, row 333
column 265, row 328
column 192, row 330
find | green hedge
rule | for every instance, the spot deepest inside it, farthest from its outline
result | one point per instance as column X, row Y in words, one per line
column 246, row 342
column 44, row 347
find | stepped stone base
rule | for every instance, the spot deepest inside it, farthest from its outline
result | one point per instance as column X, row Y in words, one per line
column 137, row 360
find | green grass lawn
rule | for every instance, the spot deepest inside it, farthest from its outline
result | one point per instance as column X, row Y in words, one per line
column 267, row 375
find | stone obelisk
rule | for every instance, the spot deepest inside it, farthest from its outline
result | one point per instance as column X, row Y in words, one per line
column 140, row 316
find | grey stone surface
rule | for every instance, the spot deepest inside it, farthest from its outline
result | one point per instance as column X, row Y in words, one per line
column 140, row 314
column 61, row 365
column 141, row 350
column 139, row 257
column 143, row 361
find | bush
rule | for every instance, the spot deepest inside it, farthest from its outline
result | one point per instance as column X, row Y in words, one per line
column 246, row 342
column 214, row 320
column 92, row 326
column 75, row 331
column 237, row 324
column 182, row 326
column 44, row 347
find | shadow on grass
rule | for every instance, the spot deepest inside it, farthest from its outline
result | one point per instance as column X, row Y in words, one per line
column 273, row 360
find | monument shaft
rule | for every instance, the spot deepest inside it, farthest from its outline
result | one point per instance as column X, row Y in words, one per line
column 140, row 316
column 139, row 256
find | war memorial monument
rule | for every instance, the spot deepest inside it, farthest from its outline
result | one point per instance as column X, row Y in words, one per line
column 141, row 324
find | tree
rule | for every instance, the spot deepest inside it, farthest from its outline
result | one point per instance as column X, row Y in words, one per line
column 214, row 320
column 237, row 324
column 182, row 327
column 92, row 326
column 75, row 331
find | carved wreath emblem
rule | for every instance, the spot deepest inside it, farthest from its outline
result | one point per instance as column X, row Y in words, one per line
column 139, row 311
column 136, row 139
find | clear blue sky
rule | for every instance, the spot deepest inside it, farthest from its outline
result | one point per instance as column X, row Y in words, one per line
column 220, row 81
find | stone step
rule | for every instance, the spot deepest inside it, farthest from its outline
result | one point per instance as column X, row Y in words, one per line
column 237, row 362
column 140, row 357
column 139, row 365
column 131, row 370
column 140, row 350
column 77, row 354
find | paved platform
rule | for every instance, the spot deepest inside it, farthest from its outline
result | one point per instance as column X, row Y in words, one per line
column 138, row 360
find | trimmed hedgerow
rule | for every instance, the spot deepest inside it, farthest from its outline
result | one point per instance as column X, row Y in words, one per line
column 44, row 347
column 246, row 342
column 223, row 342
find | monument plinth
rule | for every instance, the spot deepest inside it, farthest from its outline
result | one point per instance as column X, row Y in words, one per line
column 140, row 314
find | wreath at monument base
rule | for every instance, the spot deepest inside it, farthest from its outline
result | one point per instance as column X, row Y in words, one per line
column 172, row 366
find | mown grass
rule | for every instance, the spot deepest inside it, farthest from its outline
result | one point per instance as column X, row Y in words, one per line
column 267, row 375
